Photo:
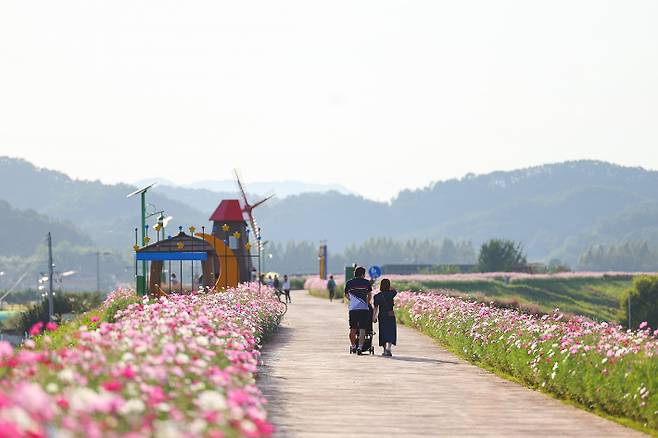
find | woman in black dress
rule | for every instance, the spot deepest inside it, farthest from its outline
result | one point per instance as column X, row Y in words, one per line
column 386, row 315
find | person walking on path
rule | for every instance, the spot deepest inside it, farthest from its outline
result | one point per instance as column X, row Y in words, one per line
column 331, row 286
column 359, row 295
column 276, row 284
column 286, row 288
column 384, row 312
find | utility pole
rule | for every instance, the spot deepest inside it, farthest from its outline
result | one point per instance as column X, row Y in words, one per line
column 50, row 278
column 629, row 311
column 98, row 271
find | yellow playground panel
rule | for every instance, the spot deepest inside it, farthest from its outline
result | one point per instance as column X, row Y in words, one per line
column 229, row 273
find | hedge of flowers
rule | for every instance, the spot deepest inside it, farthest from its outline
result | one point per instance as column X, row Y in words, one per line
column 511, row 276
column 180, row 366
column 599, row 365
column 315, row 283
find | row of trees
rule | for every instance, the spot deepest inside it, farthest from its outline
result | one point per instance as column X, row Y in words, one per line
column 301, row 257
column 629, row 256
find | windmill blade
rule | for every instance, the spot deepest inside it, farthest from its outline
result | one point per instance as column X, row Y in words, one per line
column 254, row 226
column 267, row 198
column 241, row 187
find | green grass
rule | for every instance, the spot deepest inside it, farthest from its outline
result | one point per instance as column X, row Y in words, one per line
column 324, row 293
column 65, row 335
column 597, row 298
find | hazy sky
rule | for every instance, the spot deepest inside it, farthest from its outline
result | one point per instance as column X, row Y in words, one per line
column 411, row 91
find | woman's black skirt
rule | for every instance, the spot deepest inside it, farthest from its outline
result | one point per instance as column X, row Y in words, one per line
column 387, row 330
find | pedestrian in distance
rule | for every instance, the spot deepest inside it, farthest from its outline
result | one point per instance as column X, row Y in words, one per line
column 276, row 284
column 359, row 295
column 331, row 287
column 386, row 315
column 286, row 288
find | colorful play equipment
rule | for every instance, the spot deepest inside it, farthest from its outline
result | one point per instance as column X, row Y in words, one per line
column 181, row 247
column 225, row 253
column 322, row 260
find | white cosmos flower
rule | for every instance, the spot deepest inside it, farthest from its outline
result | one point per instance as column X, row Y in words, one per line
column 132, row 406
column 209, row 400
column 66, row 375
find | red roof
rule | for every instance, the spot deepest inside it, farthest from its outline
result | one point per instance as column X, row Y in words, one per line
column 229, row 210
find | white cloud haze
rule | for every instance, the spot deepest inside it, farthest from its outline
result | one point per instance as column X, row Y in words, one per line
column 410, row 91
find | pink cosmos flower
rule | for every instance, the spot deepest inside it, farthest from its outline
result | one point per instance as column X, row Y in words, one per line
column 6, row 350
column 112, row 385
column 36, row 329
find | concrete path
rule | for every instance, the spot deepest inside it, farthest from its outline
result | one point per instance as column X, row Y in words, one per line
column 316, row 389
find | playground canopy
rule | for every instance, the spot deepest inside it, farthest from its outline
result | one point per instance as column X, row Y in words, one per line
column 179, row 248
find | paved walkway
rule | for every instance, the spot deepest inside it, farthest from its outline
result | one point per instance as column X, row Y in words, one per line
column 316, row 389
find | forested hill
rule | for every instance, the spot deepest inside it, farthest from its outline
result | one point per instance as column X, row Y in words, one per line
column 23, row 231
column 100, row 210
column 555, row 210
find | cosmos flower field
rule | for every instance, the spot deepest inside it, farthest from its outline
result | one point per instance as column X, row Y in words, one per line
column 181, row 366
column 597, row 364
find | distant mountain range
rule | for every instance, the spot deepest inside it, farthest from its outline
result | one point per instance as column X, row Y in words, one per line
column 555, row 210
column 282, row 189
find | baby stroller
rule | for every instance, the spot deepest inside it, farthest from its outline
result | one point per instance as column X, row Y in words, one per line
column 367, row 341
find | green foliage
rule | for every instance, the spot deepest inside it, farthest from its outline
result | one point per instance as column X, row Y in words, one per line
column 64, row 335
column 297, row 283
column 498, row 255
column 643, row 297
column 324, row 293
column 62, row 304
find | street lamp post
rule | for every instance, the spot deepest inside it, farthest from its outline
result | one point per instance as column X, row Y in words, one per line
column 142, row 192
column 259, row 253
column 50, row 278
column 98, row 268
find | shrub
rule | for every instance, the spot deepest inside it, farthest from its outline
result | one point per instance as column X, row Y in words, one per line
column 499, row 255
column 643, row 299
